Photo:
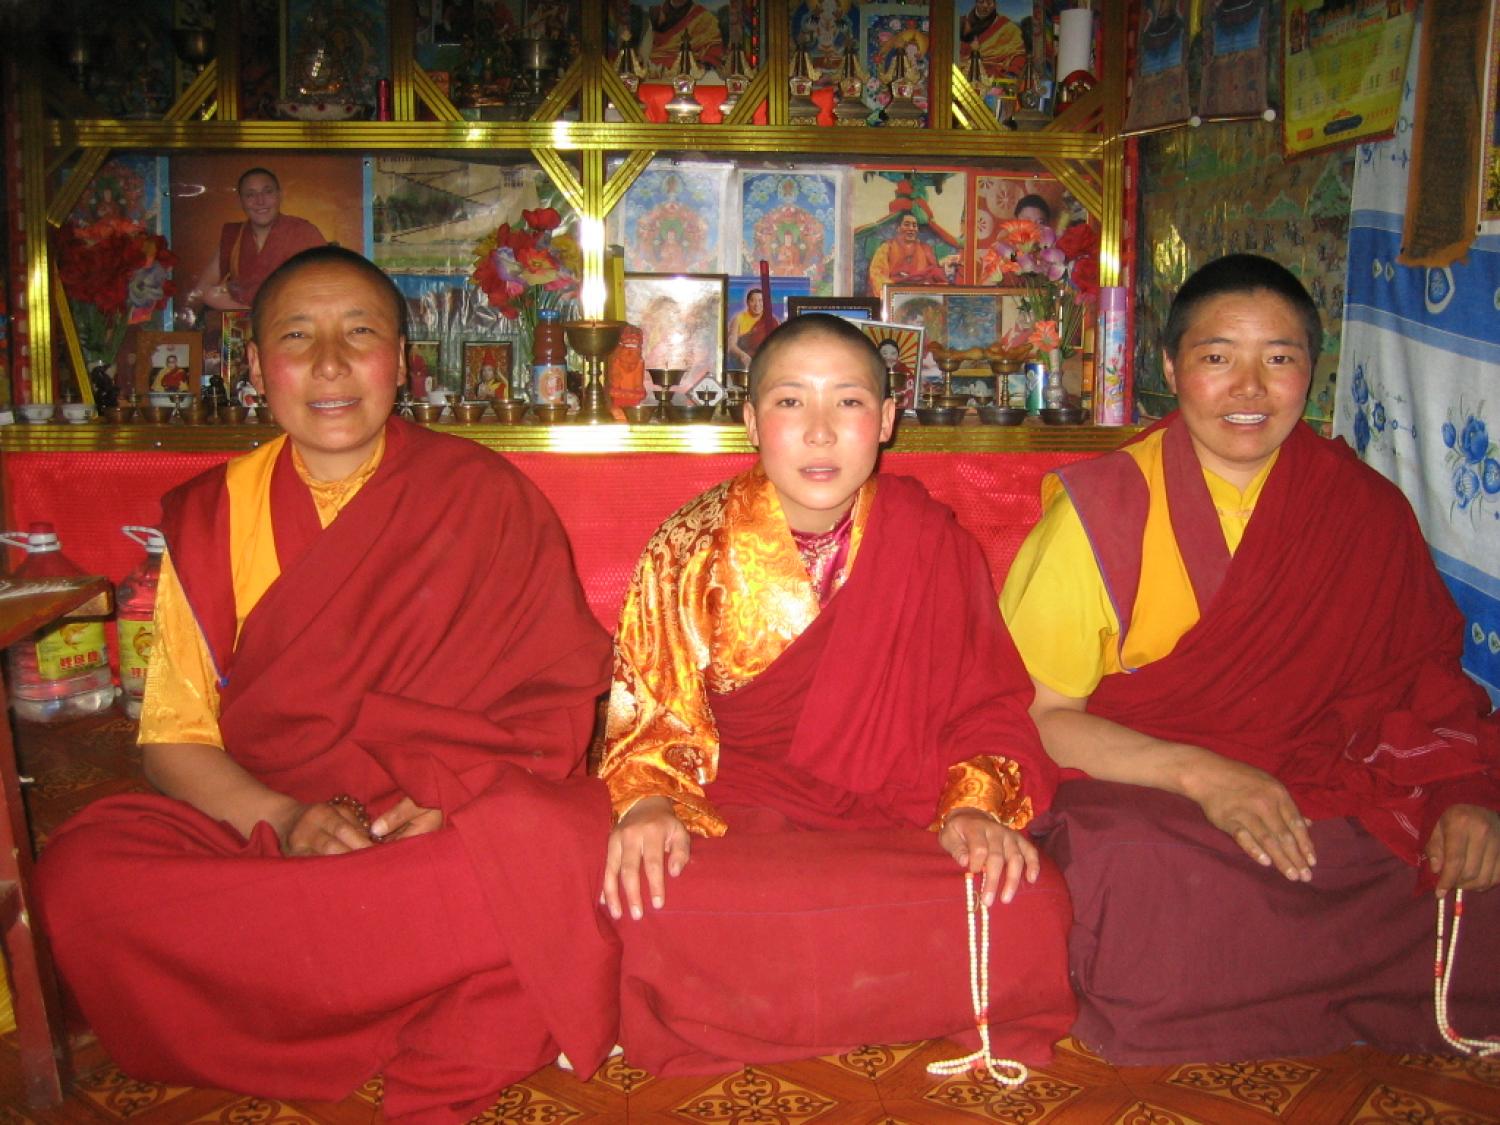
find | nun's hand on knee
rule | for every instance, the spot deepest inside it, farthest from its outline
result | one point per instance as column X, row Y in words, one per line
column 1256, row 811
column 648, row 838
column 979, row 843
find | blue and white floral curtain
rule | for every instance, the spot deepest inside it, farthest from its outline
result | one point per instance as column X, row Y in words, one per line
column 1419, row 386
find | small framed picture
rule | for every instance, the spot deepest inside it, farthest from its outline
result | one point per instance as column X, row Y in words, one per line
column 850, row 308
column 743, row 313
column 234, row 336
column 168, row 361
column 900, row 345
column 681, row 317
column 976, row 322
column 487, row 369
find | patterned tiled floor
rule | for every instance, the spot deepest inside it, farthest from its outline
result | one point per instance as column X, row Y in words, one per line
column 870, row 1086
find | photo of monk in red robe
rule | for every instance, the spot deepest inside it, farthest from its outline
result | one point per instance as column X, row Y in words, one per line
column 673, row 20
column 373, row 680
column 1238, row 638
column 817, row 726
column 906, row 259
column 249, row 251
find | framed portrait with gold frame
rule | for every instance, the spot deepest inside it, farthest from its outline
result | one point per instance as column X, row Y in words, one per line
column 681, row 317
column 168, row 362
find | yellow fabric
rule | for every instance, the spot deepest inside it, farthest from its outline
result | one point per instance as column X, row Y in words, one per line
column 716, row 598
column 1054, row 600
column 181, row 702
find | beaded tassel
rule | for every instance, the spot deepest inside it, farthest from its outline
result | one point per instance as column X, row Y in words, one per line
column 1442, row 974
column 979, row 991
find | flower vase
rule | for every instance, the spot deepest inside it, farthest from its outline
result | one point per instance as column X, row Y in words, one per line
column 1054, row 397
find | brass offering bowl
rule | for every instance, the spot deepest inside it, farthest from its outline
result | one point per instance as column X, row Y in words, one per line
column 939, row 415
column 640, row 413
column 426, row 412
column 991, row 415
column 510, row 410
column 467, row 413
column 689, row 414
column 550, row 413
column 1063, row 415
column 234, row 415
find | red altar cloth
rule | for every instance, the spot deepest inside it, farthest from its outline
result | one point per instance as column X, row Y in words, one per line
column 609, row 503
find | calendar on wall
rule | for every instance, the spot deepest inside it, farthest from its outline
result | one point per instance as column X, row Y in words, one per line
column 1343, row 70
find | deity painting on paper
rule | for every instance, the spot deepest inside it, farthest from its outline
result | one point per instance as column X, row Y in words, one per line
column 887, row 248
column 658, row 27
column 894, row 44
column 825, row 29
column 792, row 219
column 670, row 219
column 1000, row 30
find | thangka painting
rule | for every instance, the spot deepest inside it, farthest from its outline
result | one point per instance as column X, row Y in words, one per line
column 908, row 227
column 1159, row 90
column 428, row 213
column 1234, row 58
column 127, row 186
column 335, row 41
column 892, row 39
column 995, row 197
column 793, row 219
column 671, row 219
column 999, row 30
column 449, row 31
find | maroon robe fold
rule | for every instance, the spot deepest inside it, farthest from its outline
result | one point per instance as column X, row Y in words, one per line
column 433, row 642
column 779, row 942
column 1327, row 654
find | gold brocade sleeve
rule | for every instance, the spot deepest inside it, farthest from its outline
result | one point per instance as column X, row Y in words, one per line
column 990, row 784
column 660, row 737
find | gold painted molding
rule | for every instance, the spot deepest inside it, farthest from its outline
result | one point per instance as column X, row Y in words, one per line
column 571, row 439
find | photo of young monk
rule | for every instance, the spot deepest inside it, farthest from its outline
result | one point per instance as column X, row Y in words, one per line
column 817, row 725
column 348, row 653
column 1236, row 631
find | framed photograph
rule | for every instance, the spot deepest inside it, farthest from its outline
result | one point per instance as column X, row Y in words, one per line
column 168, row 361
column 487, row 369
column 234, row 361
column 681, row 317
column 970, row 320
column 997, row 196
column 850, row 308
column 743, row 311
column 900, row 345
column 424, row 371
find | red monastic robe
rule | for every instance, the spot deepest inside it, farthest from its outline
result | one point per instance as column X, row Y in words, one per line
column 827, row 915
column 1327, row 654
column 432, row 641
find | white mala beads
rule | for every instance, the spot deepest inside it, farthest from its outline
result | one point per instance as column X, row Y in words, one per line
column 1442, row 975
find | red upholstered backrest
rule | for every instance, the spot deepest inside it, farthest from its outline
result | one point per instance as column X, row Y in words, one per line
column 609, row 503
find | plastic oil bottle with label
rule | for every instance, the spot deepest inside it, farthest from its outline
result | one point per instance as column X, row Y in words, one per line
column 61, row 672
column 135, row 601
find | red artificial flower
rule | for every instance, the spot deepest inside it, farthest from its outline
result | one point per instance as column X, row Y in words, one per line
column 1085, row 277
column 1078, row 240
column 542, row 219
